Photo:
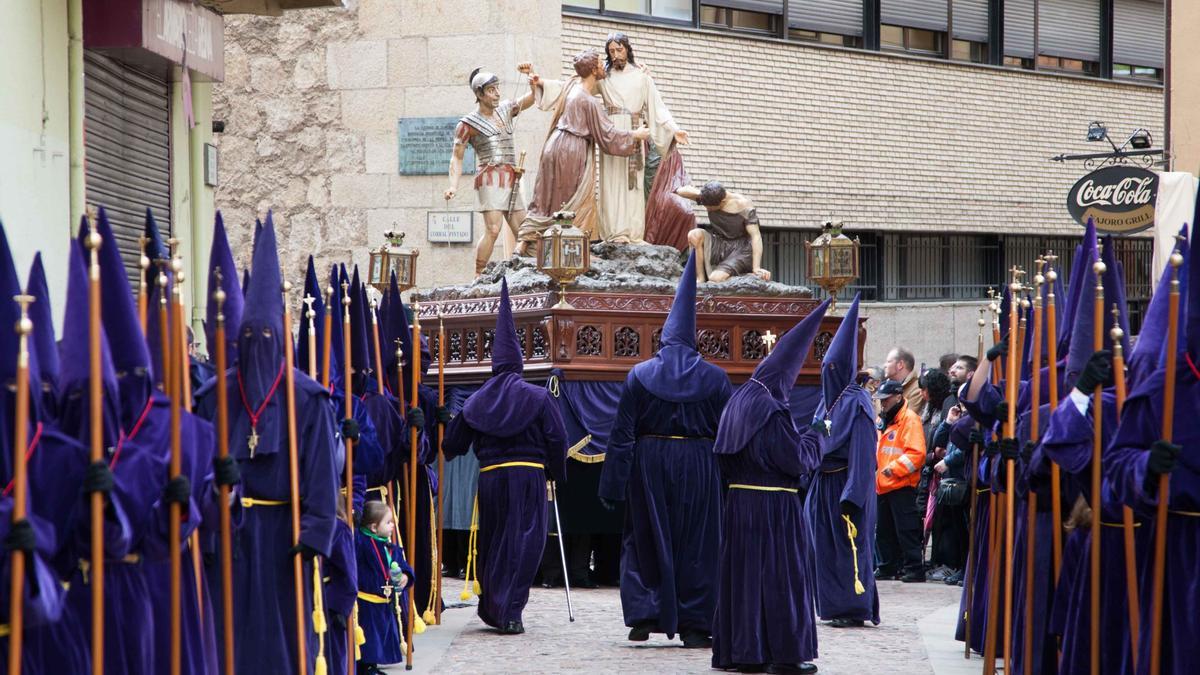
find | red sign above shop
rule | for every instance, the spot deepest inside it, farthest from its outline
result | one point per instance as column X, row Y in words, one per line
column 157, row 33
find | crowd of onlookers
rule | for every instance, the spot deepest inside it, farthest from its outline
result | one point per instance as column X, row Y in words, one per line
column 921, row 533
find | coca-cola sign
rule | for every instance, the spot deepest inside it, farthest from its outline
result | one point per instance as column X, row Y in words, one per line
column 1120, row 199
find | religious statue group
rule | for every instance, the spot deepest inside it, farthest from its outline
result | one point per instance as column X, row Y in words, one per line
column 612, row 106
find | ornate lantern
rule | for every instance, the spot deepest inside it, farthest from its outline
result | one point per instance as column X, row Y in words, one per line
column 832, row 260
column 563, row 254
column 387, row 260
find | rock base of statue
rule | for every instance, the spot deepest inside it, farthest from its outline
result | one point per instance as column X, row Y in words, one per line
column 616, row 316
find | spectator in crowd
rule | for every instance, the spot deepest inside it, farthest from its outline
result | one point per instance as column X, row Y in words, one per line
column 951, row 513
column 899, row 458
column 947, row 361
column 935, row 389
column 961, row 370
column 901, row 367
column 872, row 377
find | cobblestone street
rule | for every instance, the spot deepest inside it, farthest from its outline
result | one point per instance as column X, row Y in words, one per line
column 596, row 642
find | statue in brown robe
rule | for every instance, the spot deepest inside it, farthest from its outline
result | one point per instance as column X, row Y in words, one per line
column 732, row 244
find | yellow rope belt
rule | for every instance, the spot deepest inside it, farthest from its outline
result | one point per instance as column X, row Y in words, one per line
column 852, row 533
column 1189, row 514
column 1119, row 524
column 248, row 502
column 381, row 489
column 534, row 465
column 838, row 470
column 764, row 488
column 372, row 598
column 983, row 491
column 676, row 438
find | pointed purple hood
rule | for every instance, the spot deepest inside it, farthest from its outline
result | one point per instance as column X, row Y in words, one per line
column 220, row 258
column 1083, row 324
column 312, row 288
column 507, row 354
column 840, row 365
column 260, row 341
column 42, row 315
column 1150, row 348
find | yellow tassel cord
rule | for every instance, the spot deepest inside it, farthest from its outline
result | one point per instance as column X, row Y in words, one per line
column 852, row 532
column 471, row 555
column 360, row 639
column 318, row 617
column 429, row 617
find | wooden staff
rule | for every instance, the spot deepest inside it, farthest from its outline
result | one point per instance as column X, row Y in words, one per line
column 969, row 572
column 441, row 435
column 174, row 388
column 1097, row 447
column 20, row 482
column 1015, row 319
column 143, row 289
column 412, row 473
column 1131, row 579
column 96, row 565
column 328, row 335
column 1031, row 503
column 223, row 499
column 294, row 479
column 1055, row 471
column 310, row 314
column 1164, row 481
column 375, row 345
column 348, row 411
column 995, row 527
column 995, row 307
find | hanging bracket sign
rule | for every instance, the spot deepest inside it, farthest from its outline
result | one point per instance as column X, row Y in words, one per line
column 1120, row 199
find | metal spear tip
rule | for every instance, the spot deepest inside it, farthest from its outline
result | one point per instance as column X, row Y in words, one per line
column 94, row 240
column 1051, row 275
column 1116, row 333
column 982, row 323
column 1039, row 279
column 24, row 326
column 287, row 287
column 144, row 262
column 1099, row 267
column 1176, row 259
column 219, row 295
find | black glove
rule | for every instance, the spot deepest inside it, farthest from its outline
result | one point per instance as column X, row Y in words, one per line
column 1163, row 455
column 178, row 491
column 998, row 350
column 350, row 429
column 1098, row 372
column 976, row 437
column 20, row 537
column 443, row 414
column 98, row 478
column 1000, row 412
column 305, row 550
column 1008, row 448
column 991, row 449
column 415, row 418
column 850, row 509
column 338, row 621
column 226, row 472
column 608, row 504
column 1027, row 451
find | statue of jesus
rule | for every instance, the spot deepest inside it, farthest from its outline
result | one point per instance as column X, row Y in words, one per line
column 631, row 100
column 732, row 246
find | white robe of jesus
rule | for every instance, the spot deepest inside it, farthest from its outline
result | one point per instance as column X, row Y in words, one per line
column 622, row 195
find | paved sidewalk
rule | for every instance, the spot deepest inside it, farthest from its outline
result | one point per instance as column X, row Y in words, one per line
column 915, row 637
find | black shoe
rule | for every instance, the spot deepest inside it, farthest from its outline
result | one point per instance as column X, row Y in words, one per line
column 883, row 574
column 696, row 640
column 917, row 577
column 639, row 633
column 955, row 579
column 846, row 623
column 513, row 628
column 792, row 668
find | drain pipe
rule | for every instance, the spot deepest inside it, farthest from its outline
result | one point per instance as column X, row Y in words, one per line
column 77, row 176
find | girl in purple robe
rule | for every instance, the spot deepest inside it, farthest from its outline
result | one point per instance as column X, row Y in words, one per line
column 765, row 608
column 660, row 457
column 384, row 582
column 517, row 433
column 340, row 572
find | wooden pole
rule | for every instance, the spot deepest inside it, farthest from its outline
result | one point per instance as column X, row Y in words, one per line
column 143, row 289
column 348, row 412
column 414, row 402
column 1055, row 471
column 328, row 335
column 174, row 386
column 1164, row 481
column 995, row 525
column 96, row 567
column 294, row 480
column 969, row 572
column 20, row 482
column 1097, row 448
column 223, row 500
column 441, row 435
column 375, row 346
column 1015, row 319
column 1031, row 502
column 1131, row 578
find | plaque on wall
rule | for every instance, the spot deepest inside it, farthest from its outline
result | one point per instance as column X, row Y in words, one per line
column 425, row 146
column 452, row 227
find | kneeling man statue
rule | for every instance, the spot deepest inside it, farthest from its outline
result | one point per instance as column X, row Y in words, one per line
column 733, row 246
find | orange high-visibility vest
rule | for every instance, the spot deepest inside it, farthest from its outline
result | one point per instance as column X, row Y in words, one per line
column 902, row 450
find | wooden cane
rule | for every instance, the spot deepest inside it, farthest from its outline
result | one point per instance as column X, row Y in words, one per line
column 1035, row 388
column 174, row 390
column 96, row 566
column 1097, row 448
column 412, row 472
column 348, row 412
column 969, row 572
column 185, row 387
column 995, row 532
column 375, row 346
column 143, row 288
column 294, row 480
column 1015, row 319
column 1055, row 471
column 1131, row 578
column 1164, row 481
column 223, row 490
column 328, row 335
column 441, row 435
column 20, row 485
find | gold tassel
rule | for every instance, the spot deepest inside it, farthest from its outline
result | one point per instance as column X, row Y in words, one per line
column 418, row 625
column 318, row 617
column 321, row 668
column 471, row 555
column 429, row 618
column 852, row 532
column 435, row 596
column 360, row 639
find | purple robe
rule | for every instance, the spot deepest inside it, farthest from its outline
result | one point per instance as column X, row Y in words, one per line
column 378, row 620
column 846, row 474
column 660, row 461
column 519, row 423
column 764, row 598
column 340, row 572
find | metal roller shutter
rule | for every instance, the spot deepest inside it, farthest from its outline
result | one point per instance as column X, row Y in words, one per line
column 843, row 17
column 763, row 6
column 1138, row 28
column 971, row 20
column 927, row 14
column 1018, row 28
column 1070, row 28
column 127, row 146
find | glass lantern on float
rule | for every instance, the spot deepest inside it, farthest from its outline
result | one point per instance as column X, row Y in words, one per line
column 389, row 258
column 832, row 260
column 563, row 254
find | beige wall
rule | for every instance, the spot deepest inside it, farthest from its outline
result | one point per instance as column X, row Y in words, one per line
column 313, row 99
column 928, row 330
column 1184, row 74
column 34, row 191
column 877, row 140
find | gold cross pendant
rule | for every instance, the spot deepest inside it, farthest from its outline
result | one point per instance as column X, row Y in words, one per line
column 252, row 442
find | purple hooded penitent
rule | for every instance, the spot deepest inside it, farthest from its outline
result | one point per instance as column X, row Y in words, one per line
column 223, row 271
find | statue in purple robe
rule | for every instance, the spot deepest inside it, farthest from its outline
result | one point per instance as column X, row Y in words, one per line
column 516, row 430
column 660, row 462
column 765, row 607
